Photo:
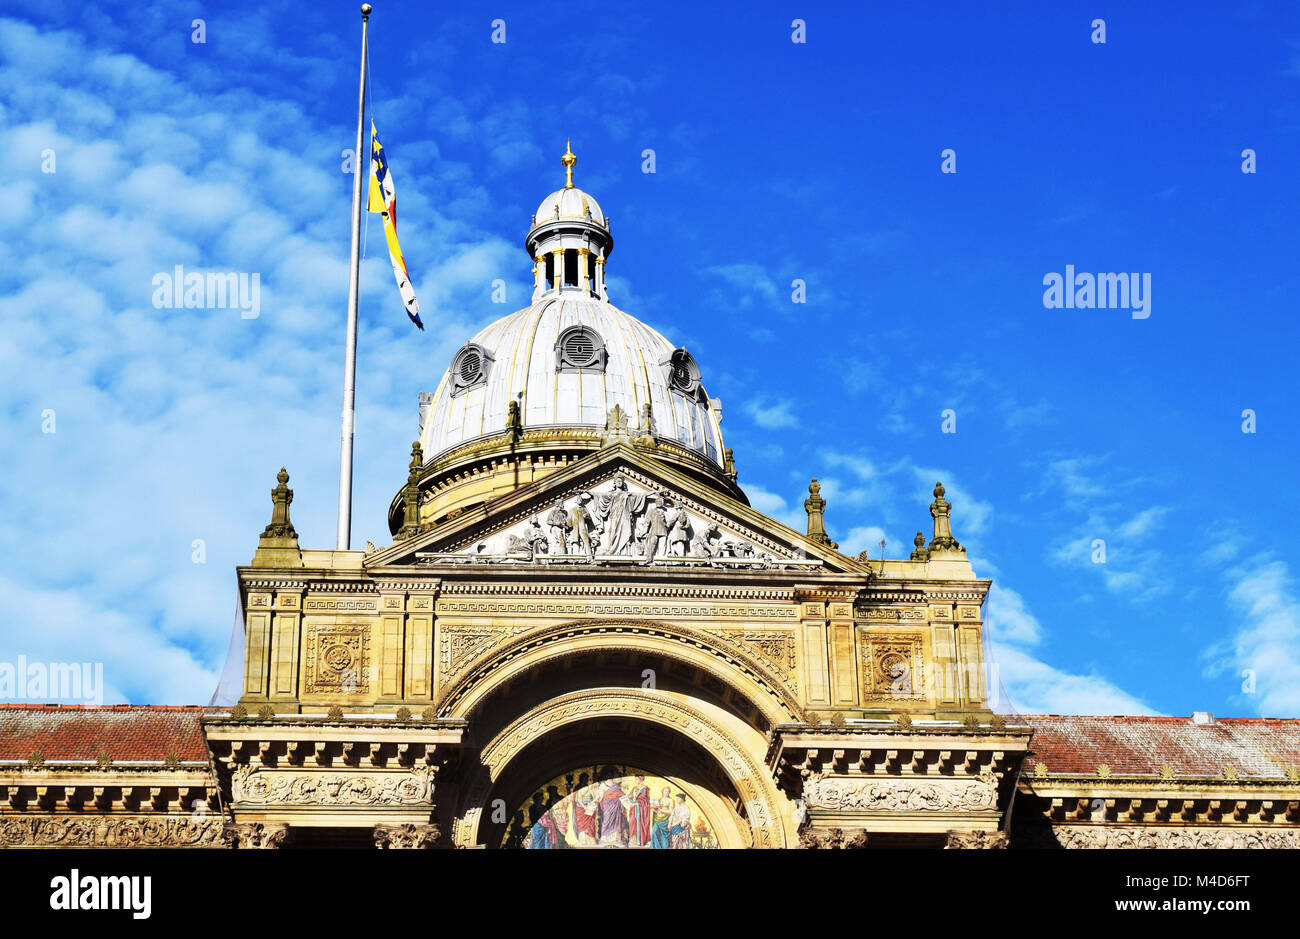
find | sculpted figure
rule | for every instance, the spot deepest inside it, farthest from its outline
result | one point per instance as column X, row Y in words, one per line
column 619, row 509
column 656, row 525
column 679, row 531
column 703, row 545
column 536, row 539
column 557, row 523
column 582, row 527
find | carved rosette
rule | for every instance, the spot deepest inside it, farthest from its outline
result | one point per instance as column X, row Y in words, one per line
column 255, row 835
column 976, row 839
column 172, row 831
column 260, row 787
column 407, row 837
column 892, row 667
column 337, row 660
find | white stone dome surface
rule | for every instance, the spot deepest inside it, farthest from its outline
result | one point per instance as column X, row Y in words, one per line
column 572, row 203
column 524, row 368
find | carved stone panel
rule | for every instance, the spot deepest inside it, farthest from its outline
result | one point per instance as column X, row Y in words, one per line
column 1108, row 836
column 269, row 787
column 900, row 794
column 892, row 666
column 152, row 831
column 774, row 648
column 337, row 660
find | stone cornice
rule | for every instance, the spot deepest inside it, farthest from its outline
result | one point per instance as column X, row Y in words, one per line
column 619, row 589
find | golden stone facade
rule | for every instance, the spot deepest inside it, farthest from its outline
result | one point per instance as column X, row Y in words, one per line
column 582, row 634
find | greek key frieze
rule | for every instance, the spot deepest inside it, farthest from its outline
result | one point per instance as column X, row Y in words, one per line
column 544, row 608
column 343, row 606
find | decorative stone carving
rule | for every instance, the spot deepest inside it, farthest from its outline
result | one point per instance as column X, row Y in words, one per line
column 892, row 667
column 337, row 660
column 262, row 787
column 255, row 835
column 773, row 647
column 900, row 794
column 406, row 836
column 461, row 645
column 832, row 838
column 89, row 831
column 620, row 521
column 976, row 839
column 1107, row 836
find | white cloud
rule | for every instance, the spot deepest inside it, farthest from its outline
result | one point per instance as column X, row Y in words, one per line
column 1032, row 685
column 773, row 416
column 1266, row 645
column 171, row 423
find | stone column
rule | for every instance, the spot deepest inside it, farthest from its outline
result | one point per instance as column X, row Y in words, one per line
column 406, row 836
column 583, row 276
column 254, row 835
column 976, row 839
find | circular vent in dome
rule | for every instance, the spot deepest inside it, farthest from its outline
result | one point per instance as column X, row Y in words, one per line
column 579, row 347
column 681, row 371
column 469, row 368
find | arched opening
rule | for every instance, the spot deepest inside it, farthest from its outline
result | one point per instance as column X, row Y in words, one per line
column 748, row 674
column 607, row 668
column 614, row 783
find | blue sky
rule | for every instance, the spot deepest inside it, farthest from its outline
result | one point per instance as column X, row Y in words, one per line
column 775, row 161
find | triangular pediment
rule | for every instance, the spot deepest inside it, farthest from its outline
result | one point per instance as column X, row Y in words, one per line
column 617, row 506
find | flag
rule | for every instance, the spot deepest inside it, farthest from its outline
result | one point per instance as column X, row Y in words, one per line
column 383, row 200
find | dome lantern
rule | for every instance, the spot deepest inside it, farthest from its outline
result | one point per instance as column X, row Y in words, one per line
column 569, row 241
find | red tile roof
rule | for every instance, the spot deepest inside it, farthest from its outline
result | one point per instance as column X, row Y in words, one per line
column 1254, row 746
column 81, row 732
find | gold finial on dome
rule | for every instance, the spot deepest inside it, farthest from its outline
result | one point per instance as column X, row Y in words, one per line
column 568, row 160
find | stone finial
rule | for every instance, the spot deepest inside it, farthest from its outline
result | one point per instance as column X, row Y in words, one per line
column 569, row 160
column 281, row 496
column 644, row 435
column 278, row 544
column 729, row 464
column 616, row 427
column 920, row 554
column 815, row 506
column 411, row 494
column 939, row 510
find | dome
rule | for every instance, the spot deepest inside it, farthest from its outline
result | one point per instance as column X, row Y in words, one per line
column 568, row 360
column 569, row 203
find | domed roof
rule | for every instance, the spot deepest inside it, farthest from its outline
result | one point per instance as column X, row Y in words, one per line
column 569, row 203
column 568, row 359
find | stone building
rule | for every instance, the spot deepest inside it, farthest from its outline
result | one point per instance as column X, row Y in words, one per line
column 582, row 634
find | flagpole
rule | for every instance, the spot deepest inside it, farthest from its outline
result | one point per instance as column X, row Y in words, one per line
column 361, row 171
